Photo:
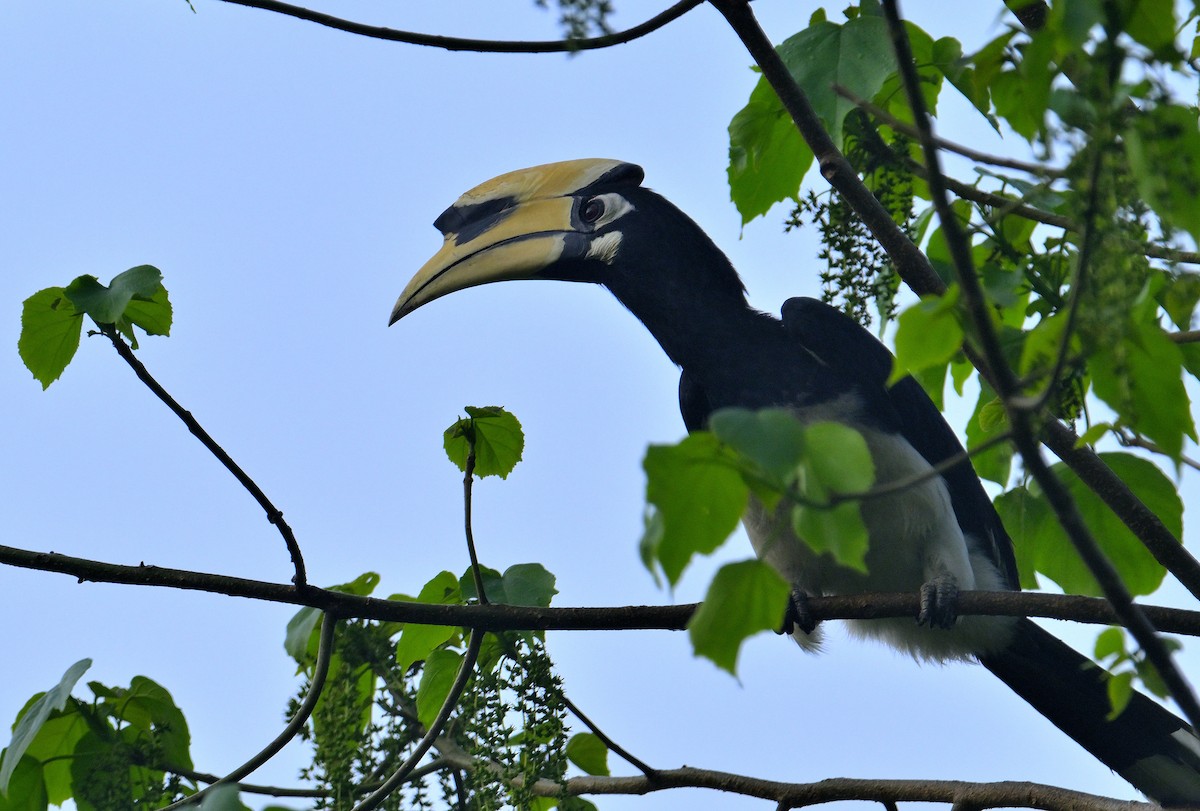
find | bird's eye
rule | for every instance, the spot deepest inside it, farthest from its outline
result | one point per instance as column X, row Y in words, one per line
column 592, row 210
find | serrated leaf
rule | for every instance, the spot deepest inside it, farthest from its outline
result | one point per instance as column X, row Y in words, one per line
column 50, row 330
column 698, row 493
column 743, row 599
column 767, row 157
column 494, row 433
column 35, row 716
column 927, row 334
column 838, row 530
column 1042, row 545
column 1143, row 384
column 436, row 680
column 152, row 314
column 589, row 753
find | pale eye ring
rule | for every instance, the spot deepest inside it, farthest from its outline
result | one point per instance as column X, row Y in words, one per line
column 592, row 210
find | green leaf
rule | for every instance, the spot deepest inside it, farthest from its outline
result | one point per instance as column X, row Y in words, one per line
column 159, row 713
column 301, row 630
column 26, row 788
column 494, row 433
column 838, row 530
column 528, row 584
column 743, row 599
column 153, row 314
column 838, row 458
column 856, row 56
column 106, row 305
column 989, row 419
column 589, row 753
column 1042, row 545
column 35, row 716
column 493, row 584
column 436, row 680
column 927, row 334
column 54, row 746
column 50, row 329
column 698, row 493
column 1120, row 690
column 767, row 157
column 1166, row 135
column 772, row 438
column 1143, row 383
column 1152, row 23
column 221, row 798
column 1110, row 643
column 417, row 642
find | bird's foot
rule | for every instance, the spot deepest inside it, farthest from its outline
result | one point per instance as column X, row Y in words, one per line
column 798, row 615
column 939, row 602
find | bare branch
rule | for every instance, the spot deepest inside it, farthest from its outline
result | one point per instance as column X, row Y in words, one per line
column 478, row 45
column 274, row 514
column 510, row 617
column 883, row 116
column 800, row 795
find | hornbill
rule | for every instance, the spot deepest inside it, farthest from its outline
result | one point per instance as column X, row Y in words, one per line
column 592, row 221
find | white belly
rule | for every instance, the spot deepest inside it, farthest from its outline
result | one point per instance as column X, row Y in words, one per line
column 914, row 538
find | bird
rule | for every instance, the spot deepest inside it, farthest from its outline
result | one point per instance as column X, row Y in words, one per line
column 592, row 220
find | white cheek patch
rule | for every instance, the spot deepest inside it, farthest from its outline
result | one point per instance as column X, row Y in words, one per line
column 615, row 207
column 605, row 247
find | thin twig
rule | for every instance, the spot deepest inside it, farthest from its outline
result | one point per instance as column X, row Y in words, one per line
column 274, row 514
column 477, row 45
column 1007, row 386
column 1131, row 440
column 435, row 728
column 613, row 746
column 1187, row 337
column 316, row 685
column 468, row 479
column 881, row 115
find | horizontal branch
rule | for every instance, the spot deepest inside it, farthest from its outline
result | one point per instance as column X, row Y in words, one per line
column 1092, row 610
column 798, row 795
column 477, row 45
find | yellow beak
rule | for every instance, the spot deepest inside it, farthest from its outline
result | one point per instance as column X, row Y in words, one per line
column 523, row 240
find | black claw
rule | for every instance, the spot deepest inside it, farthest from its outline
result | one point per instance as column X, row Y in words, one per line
column 798, row 615
column 939, row 602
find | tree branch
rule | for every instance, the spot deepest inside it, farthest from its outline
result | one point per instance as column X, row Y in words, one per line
column 478, row 45
column 316, row 686
column 274, row 514
column 510, row 617
column 800, row 795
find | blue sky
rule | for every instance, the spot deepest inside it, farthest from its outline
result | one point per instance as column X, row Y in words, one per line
column 284, row 177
